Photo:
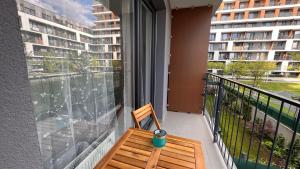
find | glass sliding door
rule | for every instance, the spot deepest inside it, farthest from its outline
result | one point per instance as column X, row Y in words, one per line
column 75, row 58
column 145, row 58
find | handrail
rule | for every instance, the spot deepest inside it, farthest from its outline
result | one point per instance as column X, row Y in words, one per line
column 276, row 96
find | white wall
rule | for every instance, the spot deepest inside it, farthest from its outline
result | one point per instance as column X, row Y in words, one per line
column 167, row 56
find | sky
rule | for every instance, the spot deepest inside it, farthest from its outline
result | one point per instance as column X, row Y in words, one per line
column 77, row 10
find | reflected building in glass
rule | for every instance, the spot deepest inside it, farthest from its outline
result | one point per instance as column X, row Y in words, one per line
column 76, row 79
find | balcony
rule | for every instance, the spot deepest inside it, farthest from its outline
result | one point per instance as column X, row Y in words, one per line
column 73, row 110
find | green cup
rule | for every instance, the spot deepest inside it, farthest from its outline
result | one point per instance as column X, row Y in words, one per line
column 159, row 138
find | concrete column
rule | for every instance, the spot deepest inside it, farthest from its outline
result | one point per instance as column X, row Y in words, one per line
column 218, row 36
column 19, row 144
column 25, row 22
column 29, row 49
column 45, row 39
column 114, row 40
column 105, row 48
column 78, row 36
column 284, row 65
column 229, row 45
column 289, row 44
column 216, row 55
column 275, row 34
column 271, row 55
column 86, row 46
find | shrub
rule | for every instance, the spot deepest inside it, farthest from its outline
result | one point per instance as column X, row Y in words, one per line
column 242, row 108
column 295, row 157
column 268, row 130
column 279, row 146
column 216, row 65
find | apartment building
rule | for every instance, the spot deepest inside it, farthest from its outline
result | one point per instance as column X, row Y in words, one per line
column 49, row 38
column 264, row 30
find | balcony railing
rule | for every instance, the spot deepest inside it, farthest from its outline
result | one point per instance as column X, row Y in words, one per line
column 253, row 128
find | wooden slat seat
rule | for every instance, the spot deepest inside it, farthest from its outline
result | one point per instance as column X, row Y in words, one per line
column 142, row 113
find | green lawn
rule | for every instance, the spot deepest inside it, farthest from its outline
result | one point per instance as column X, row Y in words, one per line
column 278, row 86
column 293, row 88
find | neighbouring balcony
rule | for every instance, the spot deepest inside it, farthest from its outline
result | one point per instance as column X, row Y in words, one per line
column 252, row 128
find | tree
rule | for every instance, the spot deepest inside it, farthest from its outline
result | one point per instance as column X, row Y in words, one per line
column 259, row 69
column 216, row 65
column 50, row 63
column 295, row 55
column 236, row 69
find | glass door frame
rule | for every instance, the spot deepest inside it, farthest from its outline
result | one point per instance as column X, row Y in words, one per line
column 138, row 52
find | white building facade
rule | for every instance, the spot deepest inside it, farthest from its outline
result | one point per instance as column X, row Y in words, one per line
column 257, row 30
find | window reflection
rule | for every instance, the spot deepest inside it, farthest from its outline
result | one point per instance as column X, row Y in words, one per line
column 76, row 75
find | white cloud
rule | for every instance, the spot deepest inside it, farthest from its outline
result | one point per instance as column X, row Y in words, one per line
column 73, row 9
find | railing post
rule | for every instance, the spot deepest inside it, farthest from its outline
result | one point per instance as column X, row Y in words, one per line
column 218, row 109
column 205, row 93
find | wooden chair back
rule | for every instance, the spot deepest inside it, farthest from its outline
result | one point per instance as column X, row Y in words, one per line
column 142, row 113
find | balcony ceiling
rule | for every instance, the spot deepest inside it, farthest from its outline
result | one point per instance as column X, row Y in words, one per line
column 177, row 4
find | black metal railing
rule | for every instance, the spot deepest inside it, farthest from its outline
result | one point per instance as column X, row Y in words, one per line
column 253, row 128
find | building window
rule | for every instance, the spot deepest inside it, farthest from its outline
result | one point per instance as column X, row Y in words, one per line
column 259, row 3
column 225, row 17
column 285, row 34
column 32, row 37
column 238, row 46
column 214, row 18
column 288, row 2
column 227, row 26
column 279, row 45
column 296, row 45
column 225, row 36
column 238, row 16
column 285, row 13
column 238, row 25
column 228, row 6
column 210, row 56
column 224, row 56
column 274, row 3
column 288, row 22
column 217, row 46
column 297, row 34
column 253, row 15
column 212, row 37
column 269, row 23
column 269, row 13
column 282, row 56
column 237, row 36
column 243, row 5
